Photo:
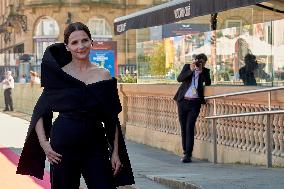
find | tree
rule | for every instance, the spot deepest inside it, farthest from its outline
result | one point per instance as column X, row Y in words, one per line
column 158, row 60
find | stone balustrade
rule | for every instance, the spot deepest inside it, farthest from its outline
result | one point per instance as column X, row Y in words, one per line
column 150, row 117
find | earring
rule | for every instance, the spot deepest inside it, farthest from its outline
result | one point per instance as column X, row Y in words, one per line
column 66, row 47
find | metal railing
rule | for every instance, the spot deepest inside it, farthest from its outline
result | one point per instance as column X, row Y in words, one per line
column 268, row 113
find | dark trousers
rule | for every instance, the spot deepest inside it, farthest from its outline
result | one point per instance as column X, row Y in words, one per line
column 8, row 99
column 84, row 150
column 188, row 111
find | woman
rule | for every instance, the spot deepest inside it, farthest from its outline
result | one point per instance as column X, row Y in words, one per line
column 34, row 78
column 86, row 137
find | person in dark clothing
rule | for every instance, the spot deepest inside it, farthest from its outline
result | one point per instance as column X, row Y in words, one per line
column 189, row 97
column 261, row 74
column 247, row 72
column 86, row 137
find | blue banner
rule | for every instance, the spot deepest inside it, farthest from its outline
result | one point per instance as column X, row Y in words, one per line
column 104, row 59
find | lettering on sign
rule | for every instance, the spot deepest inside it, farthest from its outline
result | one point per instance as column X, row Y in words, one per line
column 121, row 27
column 182, row 12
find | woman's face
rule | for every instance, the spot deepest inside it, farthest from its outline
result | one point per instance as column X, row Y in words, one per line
column 79, row 44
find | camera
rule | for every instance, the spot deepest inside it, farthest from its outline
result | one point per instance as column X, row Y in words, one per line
column 198, row 63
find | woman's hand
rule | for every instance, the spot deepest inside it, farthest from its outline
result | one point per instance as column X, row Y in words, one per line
column 115, row 163
column 51, row 155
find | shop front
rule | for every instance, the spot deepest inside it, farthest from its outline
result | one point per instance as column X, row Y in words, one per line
column 228, row 32
column 169, row 35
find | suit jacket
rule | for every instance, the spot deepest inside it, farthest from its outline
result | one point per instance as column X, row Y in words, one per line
column 63, row 92
column 185, row 77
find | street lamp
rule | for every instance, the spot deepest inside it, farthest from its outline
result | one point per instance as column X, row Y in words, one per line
column 69, row 18
column 7, row 33
column 9, row 28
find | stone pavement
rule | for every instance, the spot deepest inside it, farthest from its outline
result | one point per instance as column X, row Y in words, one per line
column 158, row 169
column 165, row 168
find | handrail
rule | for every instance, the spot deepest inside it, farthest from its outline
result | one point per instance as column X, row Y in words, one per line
column 268, row 113
column 246, row 114
column 245, row 92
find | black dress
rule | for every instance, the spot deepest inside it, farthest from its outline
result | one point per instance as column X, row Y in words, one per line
column 88, row 118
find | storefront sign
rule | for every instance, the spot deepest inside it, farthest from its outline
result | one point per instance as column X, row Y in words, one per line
column 175, row 11
column 182, row 12
column 104, row 54
column 177, row 29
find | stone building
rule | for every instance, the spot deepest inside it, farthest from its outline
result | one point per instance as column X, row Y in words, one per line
column 29, row 26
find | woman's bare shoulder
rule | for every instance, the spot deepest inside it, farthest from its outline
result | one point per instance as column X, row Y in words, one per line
column 103, row 73
column 64, row 68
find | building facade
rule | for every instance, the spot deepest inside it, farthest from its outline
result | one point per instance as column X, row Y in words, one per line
column 29, row 26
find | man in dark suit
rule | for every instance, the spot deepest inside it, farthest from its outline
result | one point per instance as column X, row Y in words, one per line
column 189, row 97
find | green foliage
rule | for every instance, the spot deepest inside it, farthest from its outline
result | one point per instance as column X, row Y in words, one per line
column 127, row 79
column 219, row 34
column 158, row 61
column 143, row 58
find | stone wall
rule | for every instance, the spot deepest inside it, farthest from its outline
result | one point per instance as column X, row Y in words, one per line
column 24, row 97
column 150, row 117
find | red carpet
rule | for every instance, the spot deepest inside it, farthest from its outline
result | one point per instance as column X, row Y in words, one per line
column 10, row 180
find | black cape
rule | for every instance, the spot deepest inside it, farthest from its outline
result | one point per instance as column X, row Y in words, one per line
column 63, row 92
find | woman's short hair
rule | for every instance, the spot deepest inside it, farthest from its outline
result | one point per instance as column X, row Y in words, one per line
column 32, row 73
column 76, row 26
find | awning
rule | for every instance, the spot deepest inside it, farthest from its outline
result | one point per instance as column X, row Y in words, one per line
column 175, row 11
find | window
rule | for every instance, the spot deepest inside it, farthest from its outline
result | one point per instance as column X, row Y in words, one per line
column 99, row 27
column 47, row 27
column 237, row 24
column 46, row 33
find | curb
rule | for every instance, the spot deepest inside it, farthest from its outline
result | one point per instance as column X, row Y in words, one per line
column 121, row 187
column 127, row 187
column 173, row 183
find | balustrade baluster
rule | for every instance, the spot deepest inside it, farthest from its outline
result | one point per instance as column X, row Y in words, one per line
column 243, row 127
column 238, row 126
column 261, row 132
column 227, row 125
column 275, row 130
column 219, row 128
column 198, row 124
column 250, row 129
column 281, row 135
column 232, row 123
column 265, row 122
column 257, row 122
column 222, row 125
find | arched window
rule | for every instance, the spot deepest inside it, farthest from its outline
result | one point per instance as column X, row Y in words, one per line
column 46, row 33
column 99, row 28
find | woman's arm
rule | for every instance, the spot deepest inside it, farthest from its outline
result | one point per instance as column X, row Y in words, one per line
column 52, row 156
column 40, row 131
column 115, row 144
column 115, row 161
